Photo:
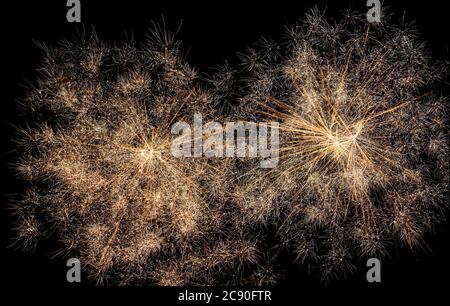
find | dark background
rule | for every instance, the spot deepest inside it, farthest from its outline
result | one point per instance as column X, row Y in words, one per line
column 211, row 32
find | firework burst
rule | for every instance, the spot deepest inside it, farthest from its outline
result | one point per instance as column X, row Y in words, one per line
column 363, row 157
column 97, row 155
column 364, row 139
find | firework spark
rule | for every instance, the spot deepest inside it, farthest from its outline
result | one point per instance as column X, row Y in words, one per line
column 102, row 174
column 363, row 158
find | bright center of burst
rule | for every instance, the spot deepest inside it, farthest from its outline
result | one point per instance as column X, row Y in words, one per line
column 342, row 142
column 146, row 153
column 146, row 157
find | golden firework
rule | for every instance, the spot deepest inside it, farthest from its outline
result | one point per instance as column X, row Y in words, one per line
column 364, row 139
